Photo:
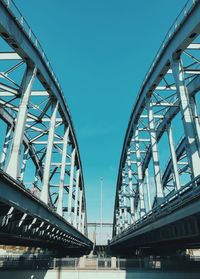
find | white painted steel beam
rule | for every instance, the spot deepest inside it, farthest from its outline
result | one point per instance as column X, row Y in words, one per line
column 47, row 167
column 80, row 209
column 13, row 162
column 6, row 145
column 71, row 185
column 155, row 158
column 62, row 172
column 174, row 158
column 76, row 198
column 24, row 161
column 130, row 185
column 140, row 176
column 187, row 117
column 9, row 56
column 148, row 189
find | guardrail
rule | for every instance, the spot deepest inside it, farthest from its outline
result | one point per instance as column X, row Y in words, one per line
column 150, row 263
column 173, row 28
column 185, row 194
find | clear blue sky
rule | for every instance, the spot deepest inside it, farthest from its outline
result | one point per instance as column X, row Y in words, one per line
column 100, row 51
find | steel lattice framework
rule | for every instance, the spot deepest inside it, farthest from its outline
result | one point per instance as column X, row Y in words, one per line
column 38, row 144
column 161, row 152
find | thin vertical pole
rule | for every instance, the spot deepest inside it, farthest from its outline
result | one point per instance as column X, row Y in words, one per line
column 101, row 207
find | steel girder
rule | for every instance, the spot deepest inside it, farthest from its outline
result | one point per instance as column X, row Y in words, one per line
column 40, row 149
column 164, row 119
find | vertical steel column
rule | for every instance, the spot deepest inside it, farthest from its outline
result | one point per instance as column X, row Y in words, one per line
column 47, row 166
column 80, row 209
column 117, row 224
column 130, row 184
column 62, row 172
column 125, row 220
column 196, row 117
column 155, row 158
column 148, row 189
column 14, row 159
column 173, row 156
column 188, row 123
column 83, row 223
column 120, row 218
column 71, row 185
column 36, row 179
column 76, row 197
column 25, row 158
column 6, row 145
column 139, row 171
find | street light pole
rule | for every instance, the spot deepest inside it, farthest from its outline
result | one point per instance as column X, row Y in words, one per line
column 101, row 208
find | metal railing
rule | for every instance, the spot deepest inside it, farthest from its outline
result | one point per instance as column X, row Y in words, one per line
column 185, row 194
column 172, row 30
column 152, row 263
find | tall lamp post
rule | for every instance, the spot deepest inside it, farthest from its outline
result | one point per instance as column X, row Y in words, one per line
column 101, row 208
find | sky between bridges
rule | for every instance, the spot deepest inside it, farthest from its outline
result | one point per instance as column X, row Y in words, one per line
column 100, row 51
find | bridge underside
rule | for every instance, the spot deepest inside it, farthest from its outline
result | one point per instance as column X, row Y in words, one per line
column 173, row 226
column 25, row 221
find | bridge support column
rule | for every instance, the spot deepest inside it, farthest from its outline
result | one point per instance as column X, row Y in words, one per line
column 139, row 171
column 71, row 185
column 80, row 209
column 148, row 189
column 25, row 158
column 62, row 173
column 124, row 204
column 47, row 167
column 155, row 158
column 14, row 159
column 196, row 118
column 188, row 124
column 120, row 219
column 116, row 226
column 6, row 145
column 174, row 159
column 130, row 185
column 76, row 197
column 83, row 223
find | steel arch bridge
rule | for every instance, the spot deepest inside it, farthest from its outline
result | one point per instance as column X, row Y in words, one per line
column 157, row 203
column 42, row 197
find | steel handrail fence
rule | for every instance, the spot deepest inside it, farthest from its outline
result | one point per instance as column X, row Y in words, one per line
column 21, row 263
column 185, row 194
column 172, row 30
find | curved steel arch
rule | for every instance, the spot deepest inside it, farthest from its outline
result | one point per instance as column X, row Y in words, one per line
column 169, row 89
column 39, row 125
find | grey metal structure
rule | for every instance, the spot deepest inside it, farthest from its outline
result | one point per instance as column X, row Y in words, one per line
column 42, row 197
column 157, row 204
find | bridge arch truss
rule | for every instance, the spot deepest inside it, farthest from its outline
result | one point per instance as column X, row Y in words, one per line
column 161, row 151
column 39, row 150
